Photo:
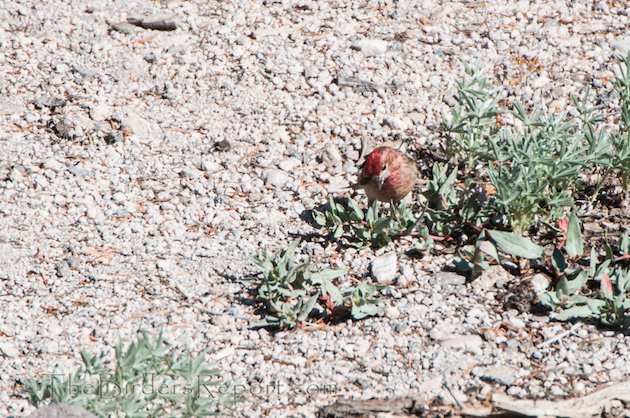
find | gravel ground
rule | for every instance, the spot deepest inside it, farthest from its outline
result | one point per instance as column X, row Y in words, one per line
column 121, row 208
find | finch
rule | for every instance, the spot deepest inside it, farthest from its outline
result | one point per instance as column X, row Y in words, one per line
column 387, row 175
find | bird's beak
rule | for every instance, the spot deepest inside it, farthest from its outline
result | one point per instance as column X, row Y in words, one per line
column 381, row 178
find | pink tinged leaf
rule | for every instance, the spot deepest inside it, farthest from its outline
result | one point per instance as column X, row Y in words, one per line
column 606, row 286
column 563, row 224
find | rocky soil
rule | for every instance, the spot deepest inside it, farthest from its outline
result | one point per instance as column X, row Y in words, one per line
column 140, row 170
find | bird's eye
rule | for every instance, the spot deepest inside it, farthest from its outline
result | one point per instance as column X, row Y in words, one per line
column 384, row 167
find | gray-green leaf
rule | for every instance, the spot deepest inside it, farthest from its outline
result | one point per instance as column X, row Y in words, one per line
column 516, row 245
column 580, row 311
column 574, row 245
column 308, row 307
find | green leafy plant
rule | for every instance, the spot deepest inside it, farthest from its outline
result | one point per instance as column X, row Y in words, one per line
column 369, row 228
column 146, row 379
column 620, row 155
column 473, row 122
column 536, row 161
column 364, row 301
column 452, row 208
column 290, row 293
column 474, row 259
column 598, row 292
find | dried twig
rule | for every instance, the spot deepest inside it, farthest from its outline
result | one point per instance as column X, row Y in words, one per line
column 559, row 336
column 585, row 406
column 157, row 24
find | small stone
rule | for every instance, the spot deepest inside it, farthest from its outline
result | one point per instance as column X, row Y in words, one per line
column 622, row 45
column 163, row 23
column 99, row 112
column 495, row 276
column 223, row 145
column 50, row 102
column 210, row 165
column 443, row 331
column 54, row 165
column 517, row 322
column 136, row 125
column 124, row 27
column 113, row 137
column 395, row 123
column 289, row 164
column 31, row 117
column 392, row 312
column 362, row 347
column 467, row 342
column 593, row 227
column 385, row 268
column 540, row 284
column 64, row 128
column 447, row 278
column 9, row 349
column 540, row 82
column 223, row 354
column 558, row 105
column 275, row 177
column 149, row 57
column 62, row 269
column 370, row 47
column 503, row 375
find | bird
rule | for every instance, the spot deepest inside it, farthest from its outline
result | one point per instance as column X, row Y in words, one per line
column 387, row 175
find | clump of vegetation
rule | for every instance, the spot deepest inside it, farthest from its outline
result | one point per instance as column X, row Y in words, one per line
column 291, row 293
column 373, row 227
column 532, row 165
column 599, row 291
column 146, row 379
column 515, row 172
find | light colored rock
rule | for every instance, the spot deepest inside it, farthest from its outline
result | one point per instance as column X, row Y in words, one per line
column 384, row 268
column 100, row 112
column 495, row 276
column 223, row 354
column 503, row 375
column 124, row 27
column 54, row 165
column 621, row 45
column 540, row 283
column 392, row 312
column 540, row 82
column 517, row 322
column 471, row 343
column 370, row 47
column 9, row 349
column 136, row 125
column 140, row 128
column 208, row 164
column 289, row 164
column 395, row 123
column 447, row 278
column 275, row 177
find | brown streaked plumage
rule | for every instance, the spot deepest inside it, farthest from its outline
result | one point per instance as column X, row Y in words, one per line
column 387, row 175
